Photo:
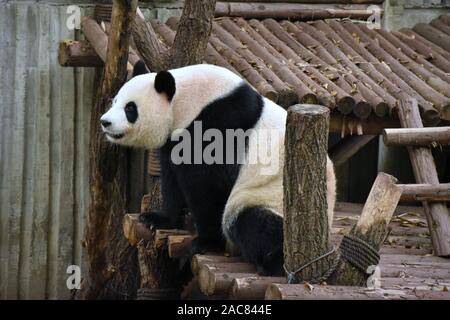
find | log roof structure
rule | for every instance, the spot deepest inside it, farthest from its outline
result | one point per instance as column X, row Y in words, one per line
column 341, row 64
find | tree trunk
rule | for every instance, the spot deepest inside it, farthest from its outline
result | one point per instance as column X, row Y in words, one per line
column 111, row 261
column 306, row 230
column 193, row 33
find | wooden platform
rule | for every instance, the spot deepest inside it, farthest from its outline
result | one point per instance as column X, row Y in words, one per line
column 408, row 268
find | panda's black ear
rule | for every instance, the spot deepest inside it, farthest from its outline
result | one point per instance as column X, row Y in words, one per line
column 139, row 68
column 165, row 83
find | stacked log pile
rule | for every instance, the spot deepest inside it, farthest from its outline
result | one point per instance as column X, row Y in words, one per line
column 360, row 72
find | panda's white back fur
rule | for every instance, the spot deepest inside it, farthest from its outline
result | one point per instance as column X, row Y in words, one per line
column 253, row 189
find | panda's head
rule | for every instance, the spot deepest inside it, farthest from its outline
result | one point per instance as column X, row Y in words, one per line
column 141, row 114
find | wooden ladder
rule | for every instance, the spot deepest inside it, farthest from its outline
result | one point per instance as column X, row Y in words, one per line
column 433, row 195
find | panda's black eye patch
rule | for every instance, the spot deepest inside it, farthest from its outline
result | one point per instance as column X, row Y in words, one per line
column 131, row 112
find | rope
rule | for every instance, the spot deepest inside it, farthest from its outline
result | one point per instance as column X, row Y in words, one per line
column 358, row 253
column 293, row 278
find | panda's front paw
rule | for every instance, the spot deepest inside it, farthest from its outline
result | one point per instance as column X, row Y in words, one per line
column 202, row 246
column 154, row 220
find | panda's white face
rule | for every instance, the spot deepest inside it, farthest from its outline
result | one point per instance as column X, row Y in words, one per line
column 139, row 115
column 149, row 107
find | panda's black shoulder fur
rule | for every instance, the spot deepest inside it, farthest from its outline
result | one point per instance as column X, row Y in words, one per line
column 204, row 189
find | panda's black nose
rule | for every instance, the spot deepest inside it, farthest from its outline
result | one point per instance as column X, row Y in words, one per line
column 105, row 123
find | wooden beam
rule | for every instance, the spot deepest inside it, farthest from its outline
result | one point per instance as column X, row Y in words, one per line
column 317, row 1
column 348, row 147
column 425, row 172
column 425, row 192
column 305, row 292
column 98, row 39
column 313, row 11
column 78, row 54
column 432, row 136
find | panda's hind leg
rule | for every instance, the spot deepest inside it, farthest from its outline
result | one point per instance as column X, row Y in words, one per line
column 258, row 232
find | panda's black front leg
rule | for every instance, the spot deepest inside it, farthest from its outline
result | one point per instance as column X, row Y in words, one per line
column 173, row 204
column 157, row 220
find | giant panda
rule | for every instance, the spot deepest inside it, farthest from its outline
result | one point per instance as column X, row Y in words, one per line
column 234, row 201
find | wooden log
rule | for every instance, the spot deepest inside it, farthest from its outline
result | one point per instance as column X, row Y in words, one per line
column 252, row 288
column 425, row 192
column 317, row 1
column 199, row 260
column 430, row 70
column 344, row 101
column 380, row 100
column 425, row 172
column 352, row 39
column 321, row 57
column 369, row 68
column 286, row 95
column 133, row 230
column 245, row 69
column 434, row 35
column 78, row 54
column 416, row 65
column 372, row 225
column 427, row 52
column 347, row 148
column 422, row 87
column 153, row 51
column 306, row 229
column 98, row 39
column 434, row 47
column 305, row 292
column 269, row 54
column 179, row 245
column 282, row 70
column 432, row 136
column 257, row 10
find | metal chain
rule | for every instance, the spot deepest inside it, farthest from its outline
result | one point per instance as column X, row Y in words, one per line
column 293, row 278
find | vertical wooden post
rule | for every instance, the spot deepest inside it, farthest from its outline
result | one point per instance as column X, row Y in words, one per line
column 111, row 261
column 306, row 235
column 425, row 172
